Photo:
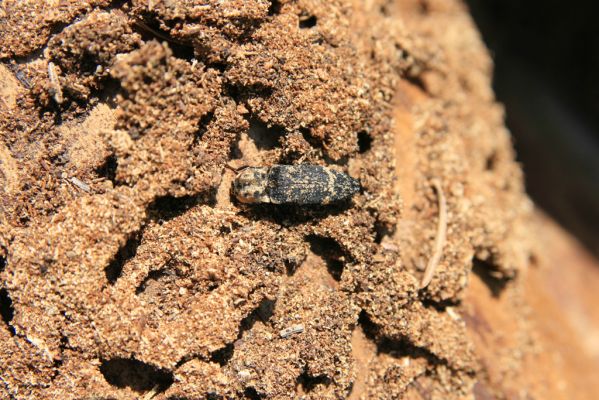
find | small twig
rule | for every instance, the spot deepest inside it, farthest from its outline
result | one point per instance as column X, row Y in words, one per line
column 440, row 238
column 55, row 83
column 292, row 330
column 152, row 393
column 145, row 27
column 80, row 184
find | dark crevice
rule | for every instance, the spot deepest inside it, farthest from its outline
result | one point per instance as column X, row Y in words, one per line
column 533, row 260
column 424, row 7
column 364, row 142
column 290, row 215
column 319, row 145
column 331, row 252
column 56, row 110
column 251, row 393
column 229, row 226
column 291, row 266
column 491, row 161
column 203, row 126
column 137, row 375
column 117, row 4
column 168, row 207
column 309, row 382
column 265, row 137
column 222, row 356
column 152, row 275
column 150, row 30
column 318, row 41
column 308, row 137
column 417, row 81
column 108, row 169
column 274, row 8
column 220, row 66
column 306, row 23
column 2, row 259
column 64, row 344
column 125, row 253
column 6, row 310
column 295, row 148
column 384, row 10
column 36, row 54
column 381, row 231
column 439, row 305
column 490, row 276
column 340, row 161
column 58, row 27
column 107, row 92
column 263, row 312
column 58, row 362
column 369, row 327
column 241, row 92
column 234, row 92
column 397, row 348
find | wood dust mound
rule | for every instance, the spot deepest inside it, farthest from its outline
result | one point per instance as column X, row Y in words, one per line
column 129, row 271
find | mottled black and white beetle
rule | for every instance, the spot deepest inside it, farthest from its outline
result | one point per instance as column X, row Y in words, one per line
column 293, row 184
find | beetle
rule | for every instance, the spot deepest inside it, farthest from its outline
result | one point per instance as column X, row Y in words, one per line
column 302, row 184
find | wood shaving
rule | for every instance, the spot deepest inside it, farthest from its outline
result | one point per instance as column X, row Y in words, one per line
column 433, row 262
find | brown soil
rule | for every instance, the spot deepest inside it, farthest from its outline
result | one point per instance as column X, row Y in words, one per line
column 128, row 271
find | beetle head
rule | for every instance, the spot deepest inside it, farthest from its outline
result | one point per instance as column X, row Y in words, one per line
column 250, row 185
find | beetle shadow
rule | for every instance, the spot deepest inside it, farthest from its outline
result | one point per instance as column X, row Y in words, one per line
column 290, row 215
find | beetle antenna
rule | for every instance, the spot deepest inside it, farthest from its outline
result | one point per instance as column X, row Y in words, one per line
column 235, row 169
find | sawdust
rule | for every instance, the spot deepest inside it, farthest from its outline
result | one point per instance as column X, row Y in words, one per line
column 154, row 281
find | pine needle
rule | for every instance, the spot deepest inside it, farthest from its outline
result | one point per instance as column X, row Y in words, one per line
column 439, row 239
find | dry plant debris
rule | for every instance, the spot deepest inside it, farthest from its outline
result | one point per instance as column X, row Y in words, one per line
column 439, row 238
